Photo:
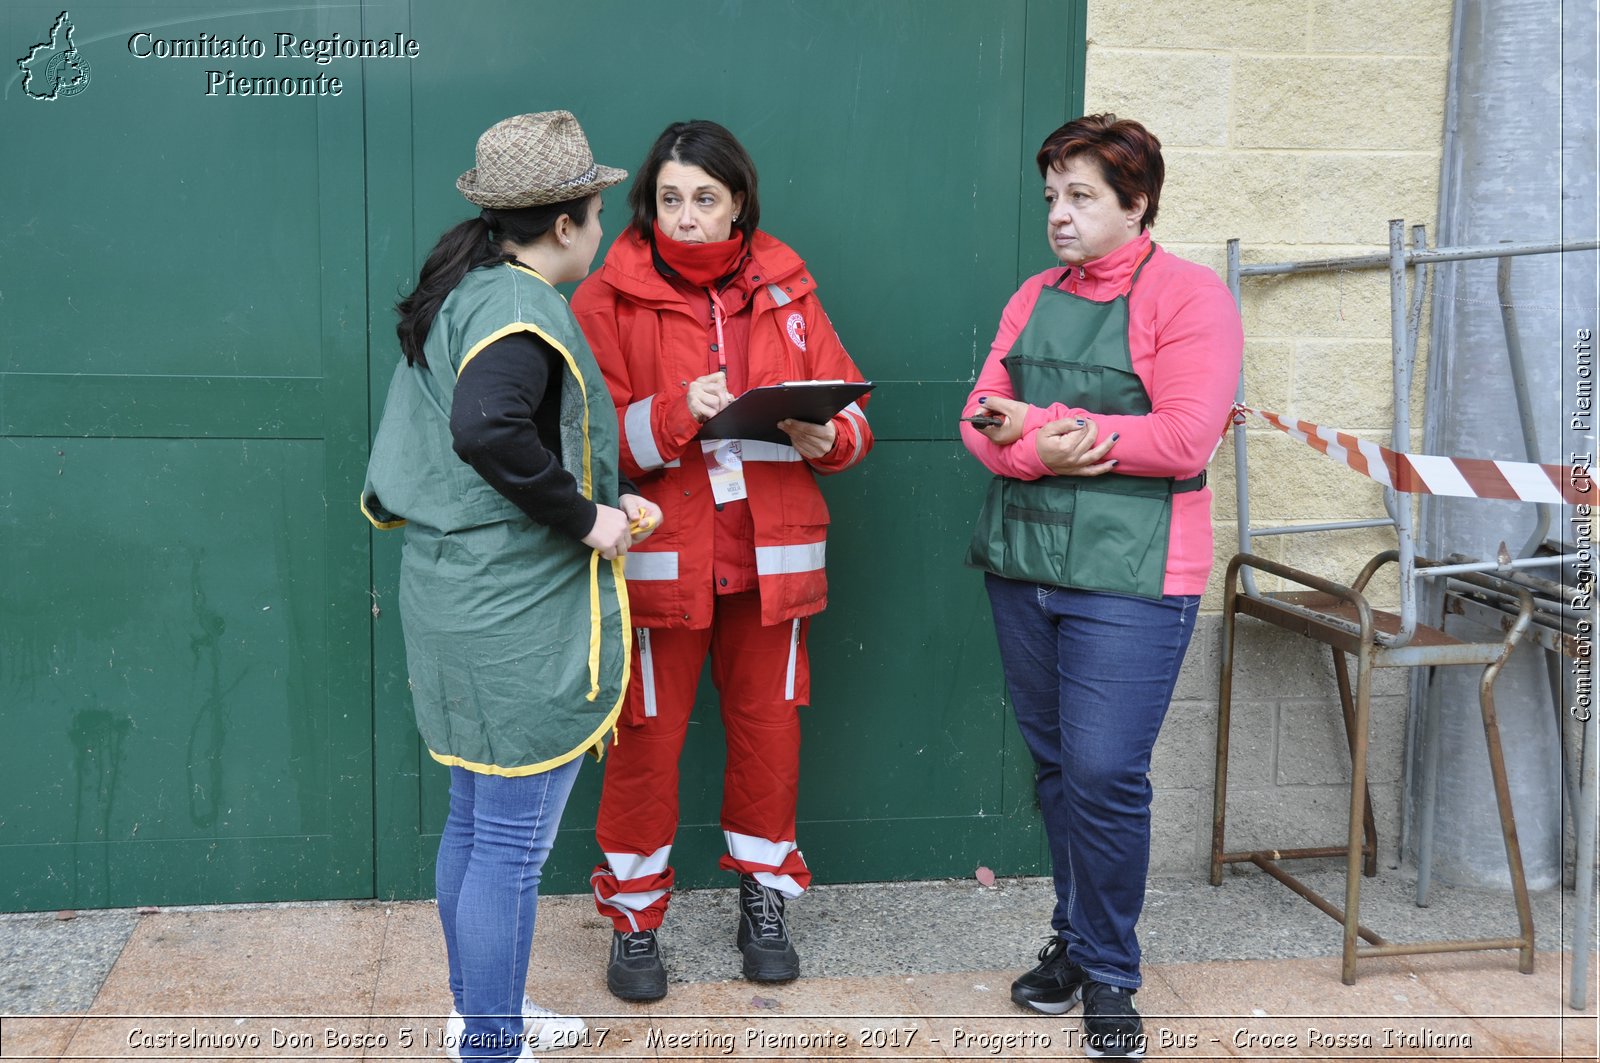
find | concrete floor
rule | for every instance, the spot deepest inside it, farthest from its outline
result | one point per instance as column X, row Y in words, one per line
column 912, row 970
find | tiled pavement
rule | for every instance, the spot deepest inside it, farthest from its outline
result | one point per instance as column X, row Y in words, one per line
column 365, row 980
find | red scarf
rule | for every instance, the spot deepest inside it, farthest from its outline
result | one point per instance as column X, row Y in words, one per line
column 702, row 265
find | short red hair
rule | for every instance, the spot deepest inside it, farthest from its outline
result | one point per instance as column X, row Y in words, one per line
column 1129, row 156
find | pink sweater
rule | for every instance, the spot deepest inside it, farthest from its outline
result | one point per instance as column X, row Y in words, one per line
column 1187, row 346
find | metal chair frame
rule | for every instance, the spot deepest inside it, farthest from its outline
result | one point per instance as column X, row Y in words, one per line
column 1341, row 617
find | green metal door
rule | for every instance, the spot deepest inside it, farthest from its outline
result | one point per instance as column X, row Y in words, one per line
column 894, row 141
column 202, row 683
column 185, row 643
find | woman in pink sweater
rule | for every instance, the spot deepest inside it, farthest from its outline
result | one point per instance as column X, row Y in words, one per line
column 1103, row 397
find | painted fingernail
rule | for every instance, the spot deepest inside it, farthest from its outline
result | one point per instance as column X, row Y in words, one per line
column 982, row 399
column 1080, row 422
column 1115, row 436
column 1114, row 460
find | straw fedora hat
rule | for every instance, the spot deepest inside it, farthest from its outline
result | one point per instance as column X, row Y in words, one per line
column 533, row 159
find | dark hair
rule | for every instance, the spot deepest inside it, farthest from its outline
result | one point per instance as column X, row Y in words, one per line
column 462, row 249
column 1129, row 156
column 708, row 146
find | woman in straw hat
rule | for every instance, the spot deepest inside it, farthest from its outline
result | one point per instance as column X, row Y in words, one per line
column 694, row 306
column 498, row 453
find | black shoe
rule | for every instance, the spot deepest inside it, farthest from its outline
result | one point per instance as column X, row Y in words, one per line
column 763, row 936
column 1111, row 1026
column 1052, row 987
column 636, row 971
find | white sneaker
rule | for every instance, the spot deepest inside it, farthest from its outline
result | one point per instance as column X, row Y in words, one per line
column 455, row 1028
column 546, row 1029
column 541, row 1029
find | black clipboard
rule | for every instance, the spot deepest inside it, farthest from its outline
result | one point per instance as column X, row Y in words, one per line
column 756, row 413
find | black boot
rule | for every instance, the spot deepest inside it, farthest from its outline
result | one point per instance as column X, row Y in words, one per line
column 636, row 972
column 763, row 937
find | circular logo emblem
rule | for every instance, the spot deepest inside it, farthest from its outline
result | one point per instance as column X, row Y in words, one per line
column 67, row 74
column 797, row 330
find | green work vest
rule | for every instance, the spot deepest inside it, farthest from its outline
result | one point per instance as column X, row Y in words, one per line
column 517, row 636
column 1100, row 533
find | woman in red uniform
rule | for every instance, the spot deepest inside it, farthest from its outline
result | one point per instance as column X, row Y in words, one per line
column 694, row 306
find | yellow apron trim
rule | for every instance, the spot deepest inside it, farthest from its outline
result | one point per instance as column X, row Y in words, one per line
column 587, row 484
column 594, row 744
column 594, row 625
column 583, row 392
column 619, row 580
column 515, row 326
column 497, row 334
column 382, row 525
column 516, row 773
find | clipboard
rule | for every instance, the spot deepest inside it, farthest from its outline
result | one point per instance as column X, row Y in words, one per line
column 756, row 413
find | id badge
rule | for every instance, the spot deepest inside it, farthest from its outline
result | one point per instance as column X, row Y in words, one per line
column 725, row 464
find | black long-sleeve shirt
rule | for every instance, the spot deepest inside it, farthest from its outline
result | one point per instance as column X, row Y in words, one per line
column 505, row 422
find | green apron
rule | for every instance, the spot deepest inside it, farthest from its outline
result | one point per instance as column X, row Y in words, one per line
column 1100, row 533
column 517, row 636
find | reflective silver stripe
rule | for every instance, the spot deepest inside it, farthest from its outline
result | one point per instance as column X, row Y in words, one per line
column 784, row 884
column 636, row 426
column 758, row 853
column 626, row 866
column 628, row 903
column 779, row 296
column 858, row 418
column 761, row 450
column 651, row 564
column 783, row 560
column 647, row 671
column 752, row 850
column 794, row 652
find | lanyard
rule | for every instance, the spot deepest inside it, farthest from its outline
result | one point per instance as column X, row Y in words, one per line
column 717, row 314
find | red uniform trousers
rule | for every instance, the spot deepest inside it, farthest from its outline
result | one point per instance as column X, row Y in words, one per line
column 762, row 676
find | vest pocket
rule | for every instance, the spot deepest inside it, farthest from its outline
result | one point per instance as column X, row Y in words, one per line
column 1114, row 539
column 1089, row 534
column 1023, row 530
column 1044, row 381
column 1036, row 532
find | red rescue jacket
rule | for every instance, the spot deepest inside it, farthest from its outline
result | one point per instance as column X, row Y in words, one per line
column 649, row 345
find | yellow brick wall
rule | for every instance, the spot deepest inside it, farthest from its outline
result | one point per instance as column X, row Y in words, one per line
column 1300, row 127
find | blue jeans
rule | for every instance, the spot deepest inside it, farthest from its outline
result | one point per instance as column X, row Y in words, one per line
column 1090, row 674
column 496, row 839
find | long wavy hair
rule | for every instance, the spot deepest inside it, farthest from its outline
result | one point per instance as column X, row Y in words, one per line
column 462, row 249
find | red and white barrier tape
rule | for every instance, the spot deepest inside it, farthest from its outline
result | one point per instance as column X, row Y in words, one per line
column 1521, row 481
